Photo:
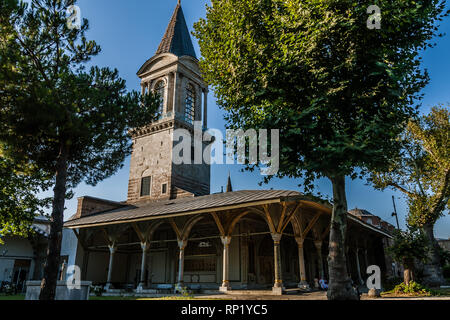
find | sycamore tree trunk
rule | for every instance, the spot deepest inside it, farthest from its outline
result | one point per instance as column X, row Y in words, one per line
column 51, row 269
column 432, row 269
column 408, row 273
column 340, row 287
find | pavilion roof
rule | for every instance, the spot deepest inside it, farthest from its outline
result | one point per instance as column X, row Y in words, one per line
column 187, row 205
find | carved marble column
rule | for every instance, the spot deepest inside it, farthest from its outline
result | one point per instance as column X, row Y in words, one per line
column 366, row 258
column 358, row 267
column 205, row 109
column 318, row 245
column 112, row 251
column 226, row 264
column 143, row 281
column 181, row 245
column 301, row 259
column 278, row 285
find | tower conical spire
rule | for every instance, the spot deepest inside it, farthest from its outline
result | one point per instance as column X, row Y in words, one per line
column 177, row 39
column 229, row 186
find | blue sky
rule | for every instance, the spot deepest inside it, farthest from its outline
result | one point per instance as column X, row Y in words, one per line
column 129, row 33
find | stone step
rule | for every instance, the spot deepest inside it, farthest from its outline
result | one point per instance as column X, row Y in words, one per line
column 250, row 292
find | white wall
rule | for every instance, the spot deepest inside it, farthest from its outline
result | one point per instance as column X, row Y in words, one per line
column 13, row 248
column 69, row 246
column 6, row 267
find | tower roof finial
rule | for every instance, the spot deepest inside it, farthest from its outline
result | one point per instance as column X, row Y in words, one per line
column 177, row 39
column 229, row 186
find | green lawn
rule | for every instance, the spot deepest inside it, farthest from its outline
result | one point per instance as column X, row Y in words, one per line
column 94, row 298
column 14, row 297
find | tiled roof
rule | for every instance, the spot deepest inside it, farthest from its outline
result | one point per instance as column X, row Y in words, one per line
column 360, row 212
column 214, row 202
column 177, row 39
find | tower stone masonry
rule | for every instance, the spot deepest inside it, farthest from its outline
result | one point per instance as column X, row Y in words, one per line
column 173, row 72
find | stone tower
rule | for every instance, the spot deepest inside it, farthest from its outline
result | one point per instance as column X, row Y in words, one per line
column 174, row 73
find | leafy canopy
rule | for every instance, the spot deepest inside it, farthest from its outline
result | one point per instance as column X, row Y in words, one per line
column 18, row 202
column 408, row 246
column 422, row 170
column 51, row 105
column 339, row 93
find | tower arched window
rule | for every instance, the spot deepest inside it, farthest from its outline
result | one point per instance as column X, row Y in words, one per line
column 189, row 111
column 160, row 89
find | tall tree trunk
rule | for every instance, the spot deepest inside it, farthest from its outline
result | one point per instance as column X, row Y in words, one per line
column 408, row 274
column 340, row 286
column 51, row 269
column 433, row 276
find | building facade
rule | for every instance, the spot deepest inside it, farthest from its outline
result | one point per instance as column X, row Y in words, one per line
column 22, row 259
column 171, row 232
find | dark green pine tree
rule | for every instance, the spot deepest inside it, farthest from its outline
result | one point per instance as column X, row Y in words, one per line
column 19, row 204
column 339, row 91
column 57, row 117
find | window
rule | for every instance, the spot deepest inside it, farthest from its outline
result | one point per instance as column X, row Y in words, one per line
column 164, row 188
column 145, row 186
column 160, row 90
column 189, row 112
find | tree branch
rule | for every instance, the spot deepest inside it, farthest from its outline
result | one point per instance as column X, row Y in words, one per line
column 444, row 195
column 402, row 189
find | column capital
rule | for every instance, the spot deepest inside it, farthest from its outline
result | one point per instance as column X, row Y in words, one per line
column 276, row 237
column 300, row 241
column 182, row 244
column 145, row 246
column 226, row 240
column 112, row 248
column 318, row 244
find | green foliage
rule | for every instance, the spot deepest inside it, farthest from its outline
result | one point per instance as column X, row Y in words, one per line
column 444, row 256
column 446, row 271
column 18, row 203
column 57, row 118
column 9, row 289
column 97, row 290
column 185, row 292
column 339, row 93
column 413, row 289
column 422, row 171
column 409, row 246
column 51, row 105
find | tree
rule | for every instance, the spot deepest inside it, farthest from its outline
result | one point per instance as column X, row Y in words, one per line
column 422, row 173
column 339, row 93
column 18, row 202
column 72, row 124
column 408, row 247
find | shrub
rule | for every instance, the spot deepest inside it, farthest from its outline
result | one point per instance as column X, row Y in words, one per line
column 446, row 271
column 390, row 283
column 412, row 289
column 97, row 290
column 185, row 292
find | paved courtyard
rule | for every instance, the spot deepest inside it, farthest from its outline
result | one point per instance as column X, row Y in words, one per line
column 307, row 296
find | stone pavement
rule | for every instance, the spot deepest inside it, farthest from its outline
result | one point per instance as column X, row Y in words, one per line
column 304, row 296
